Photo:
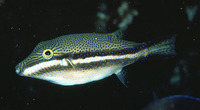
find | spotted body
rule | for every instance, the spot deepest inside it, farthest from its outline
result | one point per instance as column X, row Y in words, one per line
column 81, row 58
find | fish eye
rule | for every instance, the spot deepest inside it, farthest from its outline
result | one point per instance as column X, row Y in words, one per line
column 47, row 54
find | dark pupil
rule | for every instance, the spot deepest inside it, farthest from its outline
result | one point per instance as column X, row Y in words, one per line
column 47, row 53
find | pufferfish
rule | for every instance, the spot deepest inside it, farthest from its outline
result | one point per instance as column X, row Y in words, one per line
column 76, row 59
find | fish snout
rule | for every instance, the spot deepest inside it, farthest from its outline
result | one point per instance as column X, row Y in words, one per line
column 18, row 68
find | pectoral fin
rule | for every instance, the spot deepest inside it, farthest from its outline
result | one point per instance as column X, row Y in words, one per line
column 70, row 63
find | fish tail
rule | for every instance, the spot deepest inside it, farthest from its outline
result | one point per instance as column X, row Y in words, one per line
column 163, row 48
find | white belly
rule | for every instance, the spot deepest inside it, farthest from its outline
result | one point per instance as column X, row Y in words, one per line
column 74, row 77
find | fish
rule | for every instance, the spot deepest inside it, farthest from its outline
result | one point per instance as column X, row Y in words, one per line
column 76, row 59
column 175, row 102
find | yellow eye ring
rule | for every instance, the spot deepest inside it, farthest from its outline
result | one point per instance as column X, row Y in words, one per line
column 47, row 54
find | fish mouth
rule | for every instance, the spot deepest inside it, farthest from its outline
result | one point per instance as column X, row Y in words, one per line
column 19, row 69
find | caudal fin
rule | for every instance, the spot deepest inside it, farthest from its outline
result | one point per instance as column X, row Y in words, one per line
column 163, row 48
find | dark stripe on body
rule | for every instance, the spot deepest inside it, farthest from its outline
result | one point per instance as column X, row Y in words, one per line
column 102, row 53
column 84, row 66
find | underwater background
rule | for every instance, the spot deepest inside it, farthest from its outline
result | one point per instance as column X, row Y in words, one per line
column 24, row 23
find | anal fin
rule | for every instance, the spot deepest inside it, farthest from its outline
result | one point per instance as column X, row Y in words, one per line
column 122, row 77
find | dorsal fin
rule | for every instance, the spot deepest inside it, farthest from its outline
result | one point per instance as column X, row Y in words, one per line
column 118, row 34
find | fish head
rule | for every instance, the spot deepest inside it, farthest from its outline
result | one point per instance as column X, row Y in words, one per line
column 41, row 60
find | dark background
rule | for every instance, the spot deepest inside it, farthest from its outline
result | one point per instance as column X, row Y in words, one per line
column 24, row 23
